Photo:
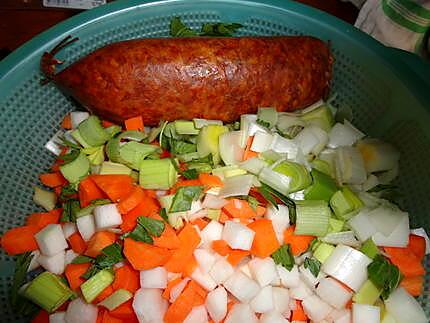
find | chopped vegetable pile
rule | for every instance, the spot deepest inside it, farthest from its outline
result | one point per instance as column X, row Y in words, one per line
column 279, row 217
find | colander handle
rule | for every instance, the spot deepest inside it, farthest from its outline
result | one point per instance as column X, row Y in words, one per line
column 417, row 64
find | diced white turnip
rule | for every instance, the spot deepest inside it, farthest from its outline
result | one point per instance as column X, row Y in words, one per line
column 238, row 235
column 34, row 263
column 273, row 317
column 343, row 135
column 58, row 317
column 280, row 220
column 213, row 202
column 340, row 316
column 216, row 304
column 316, row 308
column 362, row 225
column 404, row 308
column 289, row 278
column 386, row 218
column 153, row 278
column 86, row 226
column 51, row 240
column 241, row 313
column 241, row 286
column 107, row 216
column 205, row 259
column 398, row 238
column 203, row 279
column 347, row 265
column 149, row 305
column 212, row 231
column 261, row 142
column 308, row 278
column 177, row 290
column 221, row 271
column 76, row 117
column 54, row 264
column 263, row 270
column 333, row 293
column 197, row 315
column 245, row 269
column 68, row 229
column 263, row 301
column 307, row 140
column 281, row 300
column 301, row 291
column 80, row 311
column 364, row 313
column 70, row 256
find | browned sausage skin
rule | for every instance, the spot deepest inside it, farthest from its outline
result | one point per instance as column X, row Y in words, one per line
column 212, row 78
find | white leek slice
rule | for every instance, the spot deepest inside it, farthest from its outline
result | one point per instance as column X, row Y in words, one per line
column 364, row 313
column 344, row 135
column 229, row 147
column 245, row 120
column 236, row 186
column 200, row 123
column 76, row 117
column 386, row 218
column 307, row 140
column 262, row 141
column 276, row 180
column 350, row 166
column 346, row 238
column 253, row 165
column 404, row 308
column 53, row 145
column 284, row 145
column 362, row 225
column 398, row 238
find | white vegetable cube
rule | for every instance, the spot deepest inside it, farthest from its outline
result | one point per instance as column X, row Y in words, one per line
column 76, row 117
column 197, row 315
column 350, row 165
column 284, row 145
column 58, row 317
column 68, row 229
column 261, row 142
column 54, row 264
column 404, row 308
column 273, row 317
column 51, row 240
column 241, row 313
column 316, row 308
column 34, row 263
column 289, row 278
column 301, row 291
column 221, row 271
column 149, row 305
column 263, row 301
column 343, row 135
column 86, row 226
column 281, row 300
column 308, row 277
column 263, row 270
column 307, row 140
column 213, row 202
column 362, row 225
column 216, row 304
column 203, row 279
column 238, row 235
column 363, row 313
column 280, row 220
column 70, row 256
column 205, row 258
column 398, row 238
column 333, row 293
column 107, row 216
column 242, row 287
column 347, row 265
column 153, row 278
column 212, row 231
column 340, row 316
column 80, row 311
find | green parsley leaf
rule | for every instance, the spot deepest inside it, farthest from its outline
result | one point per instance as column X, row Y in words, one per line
column 179, row 29
column 153, row 226
column 111, row 255
column 384, row 275
column 163, row 214
column 67, row 192
column 184, row 197
column 314, row 266
column 190, row 174
column 284, row 257
column 219, row 29
column 82, row 259
column 139, row 234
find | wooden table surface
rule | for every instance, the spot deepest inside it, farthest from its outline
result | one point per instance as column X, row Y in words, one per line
column 20, row 20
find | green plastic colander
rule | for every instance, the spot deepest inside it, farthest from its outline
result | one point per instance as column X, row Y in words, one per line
column 388, row 90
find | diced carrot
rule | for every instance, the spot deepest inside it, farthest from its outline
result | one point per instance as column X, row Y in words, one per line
column 230, row 305
column 189, row 239
column 77, row 244
column 41, row 317
column 73, row 273
column 125, row 312
column 170, row 285
column 67, row 122
column 107, row 318
column 190, row 266
column 248, row 153
column 298, row 243
column 209, row 180
column 168, row 239
column 299, row 314
column 260, row 210
column 143, row 256
column 265, row 242
column 89, row 191
column 417, row 245
column 409, row 264
column 41, row 220
column 115, row 187
column 52, row 179
column 100, row 314
column 126, row 278
column 200, row 293
column 178, row 311
column 19, row 240
column 135, row 123
column 56, row 166
column 98, row 241
column 201, row 223
column 221, row 247
column 414, row 285
column 223, row 217
column 235, row 256
column 128, row 203
column 237, row 208
column 146, row 207
column 107, row 124
column 104, row 294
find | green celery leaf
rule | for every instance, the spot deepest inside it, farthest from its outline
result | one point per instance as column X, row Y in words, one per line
column 219, row 29
column 163, row 214
column 153, row 226
column 384, row 275
column 179, row 29
column 82, row 259
column 184, row 197
column 284, row 257
column 314, row 266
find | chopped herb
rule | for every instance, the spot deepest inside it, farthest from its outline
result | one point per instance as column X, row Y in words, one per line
column 313, row 265
column 263, row 123
column 111, row 255
column 70, row 210
column 284, row 257
column 71, row 156
column 82, row 260
column 154, row 227
column 179, row 29
column 384, row 275
column 190, row 174
column 219, row 29
column 163, row 214
column 68, row 191
column 184, row 197
column 139, row 234
column 286, row 200
column 179, row 147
